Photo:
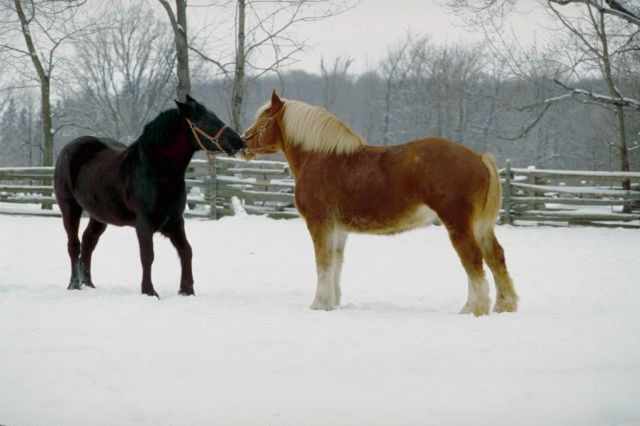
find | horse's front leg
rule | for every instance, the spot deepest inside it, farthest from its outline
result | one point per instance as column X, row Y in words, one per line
column 338, row 253
column 174, row 230
column 145, row 240
column 324, row 246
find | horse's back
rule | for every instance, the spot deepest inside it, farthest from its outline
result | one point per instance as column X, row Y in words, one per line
column 386, row 189
column 451, row 166
column 450, row 178
column 78, row 153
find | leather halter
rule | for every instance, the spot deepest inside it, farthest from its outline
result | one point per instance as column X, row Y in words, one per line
column 214, row 139
column 257, row 132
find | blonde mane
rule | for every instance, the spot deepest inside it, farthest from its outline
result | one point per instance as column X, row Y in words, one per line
column 317, row 130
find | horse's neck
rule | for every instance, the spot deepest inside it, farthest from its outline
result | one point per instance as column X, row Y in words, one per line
column 296, row 157
column 174, row 154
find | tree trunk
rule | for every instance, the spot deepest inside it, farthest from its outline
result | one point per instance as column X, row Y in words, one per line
column 182, row 51
column 624, row 152
column 179, row 25
column 44, row 78
column 619, row 110
column 239, row 83
column 491, row 116
column 387, row 114
column 47, row 124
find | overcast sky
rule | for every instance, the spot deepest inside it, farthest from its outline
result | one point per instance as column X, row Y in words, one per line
column 363, row 33
column 366, row 31
column 369, row 29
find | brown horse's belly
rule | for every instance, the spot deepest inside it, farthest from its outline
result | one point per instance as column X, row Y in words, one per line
column 405, row 220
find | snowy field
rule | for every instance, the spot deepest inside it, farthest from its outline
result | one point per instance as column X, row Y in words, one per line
column 248, row 351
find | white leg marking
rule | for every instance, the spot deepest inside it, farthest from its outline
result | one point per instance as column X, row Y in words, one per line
column 325, row 293
column 325, row 267
column 338, row 257
column 478, row 301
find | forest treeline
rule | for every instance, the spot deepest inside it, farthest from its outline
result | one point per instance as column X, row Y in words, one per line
column 122, row 75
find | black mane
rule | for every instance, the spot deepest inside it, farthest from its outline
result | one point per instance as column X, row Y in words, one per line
column 161, row 128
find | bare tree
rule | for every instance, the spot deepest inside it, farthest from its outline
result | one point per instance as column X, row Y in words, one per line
column 179, row 26
column 265, row 42
column 333, row 79
column 595, row 37
column 601, row 42
column 122, row 74
column 402, row 60
column 44, row 27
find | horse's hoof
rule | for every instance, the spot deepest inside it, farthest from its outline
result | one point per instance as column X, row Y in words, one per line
column 317, row 306
column 477, row 310
column 507, row 304
column 74, row 286
column 150, row 293
column 186, row 292
column 90, row 285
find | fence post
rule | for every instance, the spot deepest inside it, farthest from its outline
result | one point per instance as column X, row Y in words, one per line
column 212, row 192
column 46, row 181
column 506, row 203
column 531, row 180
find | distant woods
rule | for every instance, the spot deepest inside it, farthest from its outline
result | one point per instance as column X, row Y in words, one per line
column 541, row 108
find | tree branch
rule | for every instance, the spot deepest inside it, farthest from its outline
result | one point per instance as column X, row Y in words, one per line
column 600, row 98
column 615, row 9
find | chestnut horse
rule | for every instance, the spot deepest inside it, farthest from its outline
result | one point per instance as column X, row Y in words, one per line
column 140, row 185
column 344, row 185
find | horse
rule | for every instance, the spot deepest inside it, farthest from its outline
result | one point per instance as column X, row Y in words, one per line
column 141, row 185
column 343, row 185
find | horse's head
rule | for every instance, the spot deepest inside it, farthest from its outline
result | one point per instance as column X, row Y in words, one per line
column 265, row 136
column 208, row 132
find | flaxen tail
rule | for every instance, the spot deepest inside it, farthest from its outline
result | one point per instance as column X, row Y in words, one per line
column 494, row 194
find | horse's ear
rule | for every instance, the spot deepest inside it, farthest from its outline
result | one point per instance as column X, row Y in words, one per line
column 182, row 108
column 190, row 99
column 276, row 102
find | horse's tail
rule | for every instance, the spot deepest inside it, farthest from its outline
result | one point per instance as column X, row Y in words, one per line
column 494, row 194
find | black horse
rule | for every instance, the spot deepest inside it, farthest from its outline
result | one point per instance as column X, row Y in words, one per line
column 140, row 185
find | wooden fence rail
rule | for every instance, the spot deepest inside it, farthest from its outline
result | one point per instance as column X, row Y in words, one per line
column 581, row 197
column 261, row 187
column 266, row 187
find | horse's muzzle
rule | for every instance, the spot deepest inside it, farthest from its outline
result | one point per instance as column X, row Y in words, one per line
column 246, row 154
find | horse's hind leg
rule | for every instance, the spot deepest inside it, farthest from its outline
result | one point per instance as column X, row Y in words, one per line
column 464, row 242
column 89, row 240
column 71, row 212
column 175, row 231
column 324, row 245
column 506, row 297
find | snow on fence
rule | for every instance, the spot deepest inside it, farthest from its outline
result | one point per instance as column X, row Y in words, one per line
column 266, row 187
column 574, row 197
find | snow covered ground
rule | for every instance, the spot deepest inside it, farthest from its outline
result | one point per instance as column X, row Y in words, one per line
column 248, row 351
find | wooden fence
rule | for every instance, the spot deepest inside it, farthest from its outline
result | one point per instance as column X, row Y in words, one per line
column 266, row 187
column 580, row 197
column 261, row 187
